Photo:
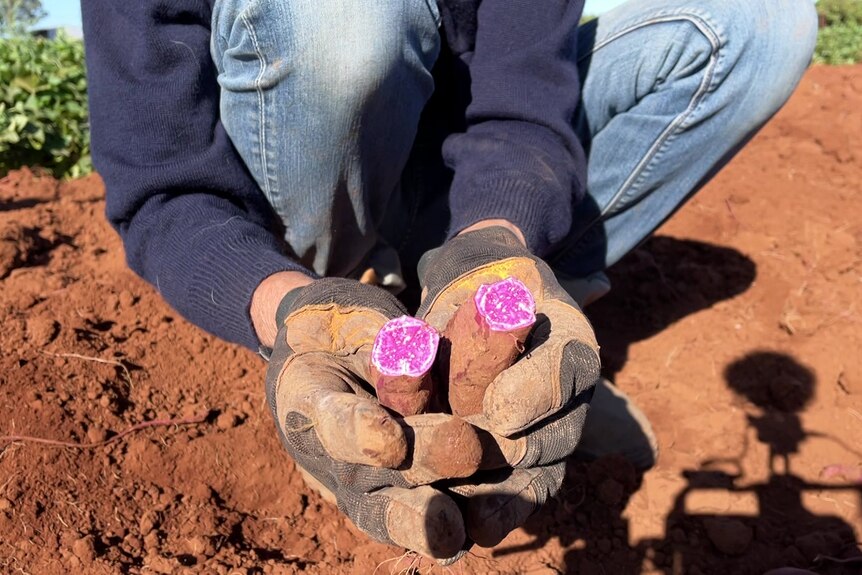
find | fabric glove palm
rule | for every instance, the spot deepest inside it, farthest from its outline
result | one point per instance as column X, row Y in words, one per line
column 375, row 465
column 533, row 412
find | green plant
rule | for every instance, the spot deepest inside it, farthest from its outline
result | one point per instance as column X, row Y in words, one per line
column 838, row 12
column 43, row 106
column 840, row 44
column 840, row 38
column 16, row 16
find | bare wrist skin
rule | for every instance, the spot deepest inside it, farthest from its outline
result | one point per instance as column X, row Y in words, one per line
column 265, row 300
column 496, row 222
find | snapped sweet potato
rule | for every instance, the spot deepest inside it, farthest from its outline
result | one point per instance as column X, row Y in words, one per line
column 483, row 338
column 401, row 359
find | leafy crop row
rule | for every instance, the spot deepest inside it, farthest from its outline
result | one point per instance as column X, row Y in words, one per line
column 43, row 106
column 840, row 38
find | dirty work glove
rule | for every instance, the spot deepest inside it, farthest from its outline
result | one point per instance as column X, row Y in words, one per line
column 376, row 466
column 533, row 412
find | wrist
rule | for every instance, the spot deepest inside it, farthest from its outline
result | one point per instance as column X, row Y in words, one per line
column 498, row 222
column 265, row 300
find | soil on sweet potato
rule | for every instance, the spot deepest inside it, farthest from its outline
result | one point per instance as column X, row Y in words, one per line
column 737, row 329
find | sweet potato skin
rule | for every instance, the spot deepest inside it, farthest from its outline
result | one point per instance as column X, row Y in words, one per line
column 444, row 446
column 400, row 364
column 403, row 394
column 472, row 355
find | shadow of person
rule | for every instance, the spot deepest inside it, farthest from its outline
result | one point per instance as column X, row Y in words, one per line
column 586, row 519
column 781, row 532
column 659, row 283
column 763, row 525
column 780, row 387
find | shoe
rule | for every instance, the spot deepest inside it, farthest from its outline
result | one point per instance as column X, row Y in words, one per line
column 615, row 426
column 585, row 290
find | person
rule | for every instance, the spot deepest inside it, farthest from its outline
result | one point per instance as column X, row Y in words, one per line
column 281, row 170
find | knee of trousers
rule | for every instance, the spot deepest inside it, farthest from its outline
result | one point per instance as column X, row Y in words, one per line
column 329, row 49
column 767, row 44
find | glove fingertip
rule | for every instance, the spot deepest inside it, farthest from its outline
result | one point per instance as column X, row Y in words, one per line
column 426, row 521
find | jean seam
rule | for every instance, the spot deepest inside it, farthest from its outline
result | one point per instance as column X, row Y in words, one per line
column 435, row 11
column 659, row 144
column 678, row 122
column 258, row 85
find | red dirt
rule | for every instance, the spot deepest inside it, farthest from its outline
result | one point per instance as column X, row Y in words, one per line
column 737, row 329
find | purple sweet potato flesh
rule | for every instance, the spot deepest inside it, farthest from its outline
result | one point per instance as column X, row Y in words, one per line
column 482, row 339
column 405, row 346
column 401, row 360
column 506, row 305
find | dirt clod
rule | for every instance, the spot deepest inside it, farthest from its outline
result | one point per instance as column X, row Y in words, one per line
column 84, row 549
column 227, row 421
column 729, row 536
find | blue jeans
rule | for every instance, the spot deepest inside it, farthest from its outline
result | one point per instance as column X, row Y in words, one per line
column 323, row 101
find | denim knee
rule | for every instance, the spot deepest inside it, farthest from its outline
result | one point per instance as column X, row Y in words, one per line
column 334, row 49
column 771, row 42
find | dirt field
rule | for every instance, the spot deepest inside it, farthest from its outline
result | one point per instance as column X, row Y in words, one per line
column 737, row 329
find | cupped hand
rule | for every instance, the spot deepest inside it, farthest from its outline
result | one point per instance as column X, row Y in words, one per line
column 376, row 465
column 532, row 413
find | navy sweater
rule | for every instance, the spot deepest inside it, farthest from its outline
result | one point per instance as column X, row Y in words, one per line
column 192, row 219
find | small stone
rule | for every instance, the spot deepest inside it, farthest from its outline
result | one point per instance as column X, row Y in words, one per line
column 148, row 522
column 84, row 549
column 160, row 564
column 151, row 540
column 96, row 434
column 5, row 504
column 200, row 545
column 730, row 536
column 42, row 330
column 227, row 421
column 200, row 492
column 126, row 298
column 133, row 543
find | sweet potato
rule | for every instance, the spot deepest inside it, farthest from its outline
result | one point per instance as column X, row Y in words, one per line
column 483, row 338
column 401, row 359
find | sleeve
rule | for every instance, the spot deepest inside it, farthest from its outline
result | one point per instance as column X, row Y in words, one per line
column 520, row 158
column 192, row 219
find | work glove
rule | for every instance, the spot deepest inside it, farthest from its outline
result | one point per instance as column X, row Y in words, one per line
column 376, row 466
column 533, row 412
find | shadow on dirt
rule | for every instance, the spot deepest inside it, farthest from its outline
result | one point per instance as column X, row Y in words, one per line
column 659, row 283
column 767, row 525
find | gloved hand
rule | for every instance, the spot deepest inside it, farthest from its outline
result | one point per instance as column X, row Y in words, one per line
column 375, row 465
column 533, row 411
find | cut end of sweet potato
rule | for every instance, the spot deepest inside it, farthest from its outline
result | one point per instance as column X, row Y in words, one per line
column 506, row 305
column 405, row 346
